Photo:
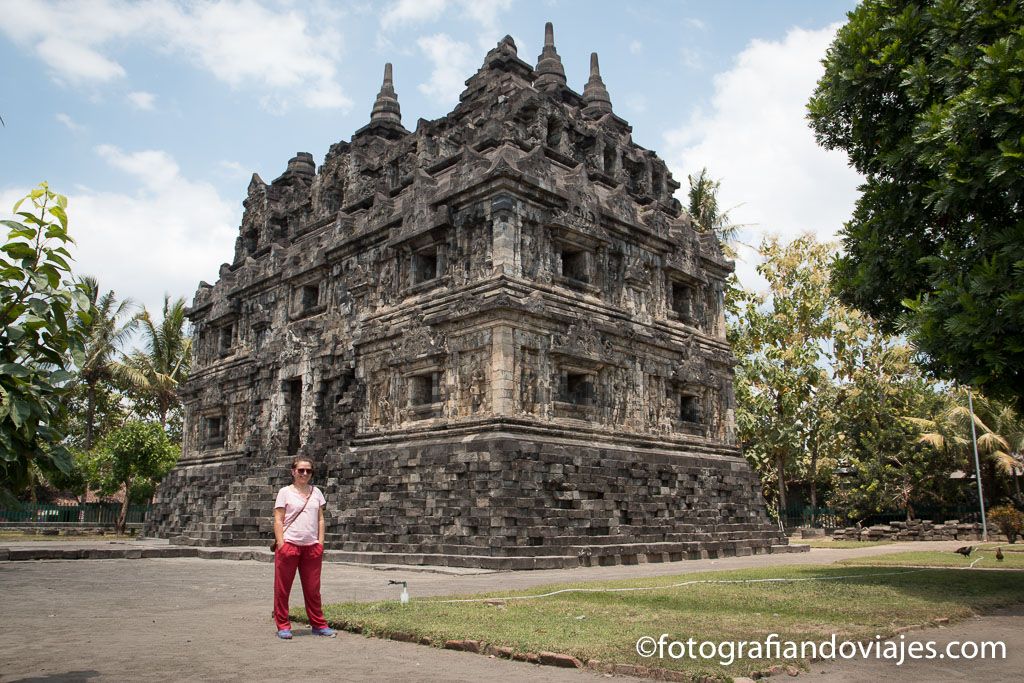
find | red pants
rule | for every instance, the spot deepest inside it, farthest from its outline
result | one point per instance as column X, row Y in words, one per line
column 307, row 559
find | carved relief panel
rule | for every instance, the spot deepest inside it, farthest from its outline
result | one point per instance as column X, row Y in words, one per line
column 470, row 374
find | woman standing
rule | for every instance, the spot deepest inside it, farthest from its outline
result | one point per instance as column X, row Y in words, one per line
column 299, row 530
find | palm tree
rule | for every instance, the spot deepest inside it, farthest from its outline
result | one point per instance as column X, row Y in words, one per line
column 158, row 370
column 1001, row 437
column 111, row 326
column 706, row 214
column 1000, row 432
column 944, row 432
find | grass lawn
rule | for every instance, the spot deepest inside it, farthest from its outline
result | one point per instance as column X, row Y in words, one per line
column 946, row 558
column 1007, row 547
column 606, row 625
column 841, row 545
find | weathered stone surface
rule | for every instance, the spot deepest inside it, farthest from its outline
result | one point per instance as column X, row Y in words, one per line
column 463, row 645
column 499, row 337
column 559, row 659
column 916, row 530
column 501, row 651
column 529, row 657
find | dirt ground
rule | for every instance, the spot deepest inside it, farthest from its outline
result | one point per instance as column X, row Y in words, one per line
column 199, row 619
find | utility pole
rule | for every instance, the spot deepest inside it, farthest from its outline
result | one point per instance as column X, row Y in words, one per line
column 977, row 467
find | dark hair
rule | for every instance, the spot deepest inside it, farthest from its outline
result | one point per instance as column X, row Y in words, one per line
column 301, row 458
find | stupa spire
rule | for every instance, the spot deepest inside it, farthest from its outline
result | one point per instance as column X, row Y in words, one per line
column 550, row 73
column 385, row 107
column 595, row 95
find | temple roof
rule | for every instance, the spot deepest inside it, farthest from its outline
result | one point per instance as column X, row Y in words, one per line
column 386, row 115
column 550, row 73
column 595, row 96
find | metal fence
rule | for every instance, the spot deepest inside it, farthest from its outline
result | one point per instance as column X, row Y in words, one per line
column 818, row 517
column 84, row 514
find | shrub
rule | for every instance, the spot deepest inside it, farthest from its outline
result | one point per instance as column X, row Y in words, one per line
column 1009, row 519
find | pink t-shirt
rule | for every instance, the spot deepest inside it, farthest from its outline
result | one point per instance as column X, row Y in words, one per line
column 305, row 530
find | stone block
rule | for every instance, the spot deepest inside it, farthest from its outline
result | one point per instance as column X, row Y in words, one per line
column 557, row 659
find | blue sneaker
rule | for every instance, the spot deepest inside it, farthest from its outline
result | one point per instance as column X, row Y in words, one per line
column 326, row 632
column 285, row 634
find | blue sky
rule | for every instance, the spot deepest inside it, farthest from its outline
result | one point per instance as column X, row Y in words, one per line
column 151, row 116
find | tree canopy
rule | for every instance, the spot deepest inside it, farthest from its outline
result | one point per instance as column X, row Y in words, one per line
column 827, row 403
column 132, row 457
column 157, row 371
column 111, row 325
column 41, row 310
column 927, row 98
column 780, row 344
column 77, row 412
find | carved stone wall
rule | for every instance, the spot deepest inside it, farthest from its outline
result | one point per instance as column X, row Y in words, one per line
column 519, row 266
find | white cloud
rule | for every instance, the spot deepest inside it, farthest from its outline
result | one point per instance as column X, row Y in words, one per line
column 694, row 22
column 154, row 168
column 165, row 235
column 635, row 47
column 412, row 12
column 233, row 169
column 71, row 124
column 142, row 100
column 452, row 62
column 755, row 138
column 691, row 58
column 240, row 42
column 76, row 62
column 483, row 12
column 483, row 15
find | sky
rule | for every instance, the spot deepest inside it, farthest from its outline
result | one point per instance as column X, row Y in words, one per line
column 151, row 116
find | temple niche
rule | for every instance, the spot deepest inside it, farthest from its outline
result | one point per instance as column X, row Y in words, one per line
column 498, row 336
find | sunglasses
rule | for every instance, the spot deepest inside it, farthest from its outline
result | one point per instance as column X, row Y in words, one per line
column 303, row 470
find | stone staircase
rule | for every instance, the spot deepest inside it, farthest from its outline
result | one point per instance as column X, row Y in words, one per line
column 237, row 513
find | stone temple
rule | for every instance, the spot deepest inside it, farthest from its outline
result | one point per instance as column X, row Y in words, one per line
column 498, row 336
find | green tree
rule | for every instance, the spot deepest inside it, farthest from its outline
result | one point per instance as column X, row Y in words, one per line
column 999, row 429
column 157, row 371
column 819, row 383
column 780, row 341
column 707, row 216
column 882, row 399
column 927, row 99
column 1000, row 432
column 824, row 440
column 110, row 409
column 39, row 307
column 132, row 458
column 111, row 325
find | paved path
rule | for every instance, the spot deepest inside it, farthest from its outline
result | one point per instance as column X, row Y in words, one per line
column 201, row 619
column 1005, row 625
